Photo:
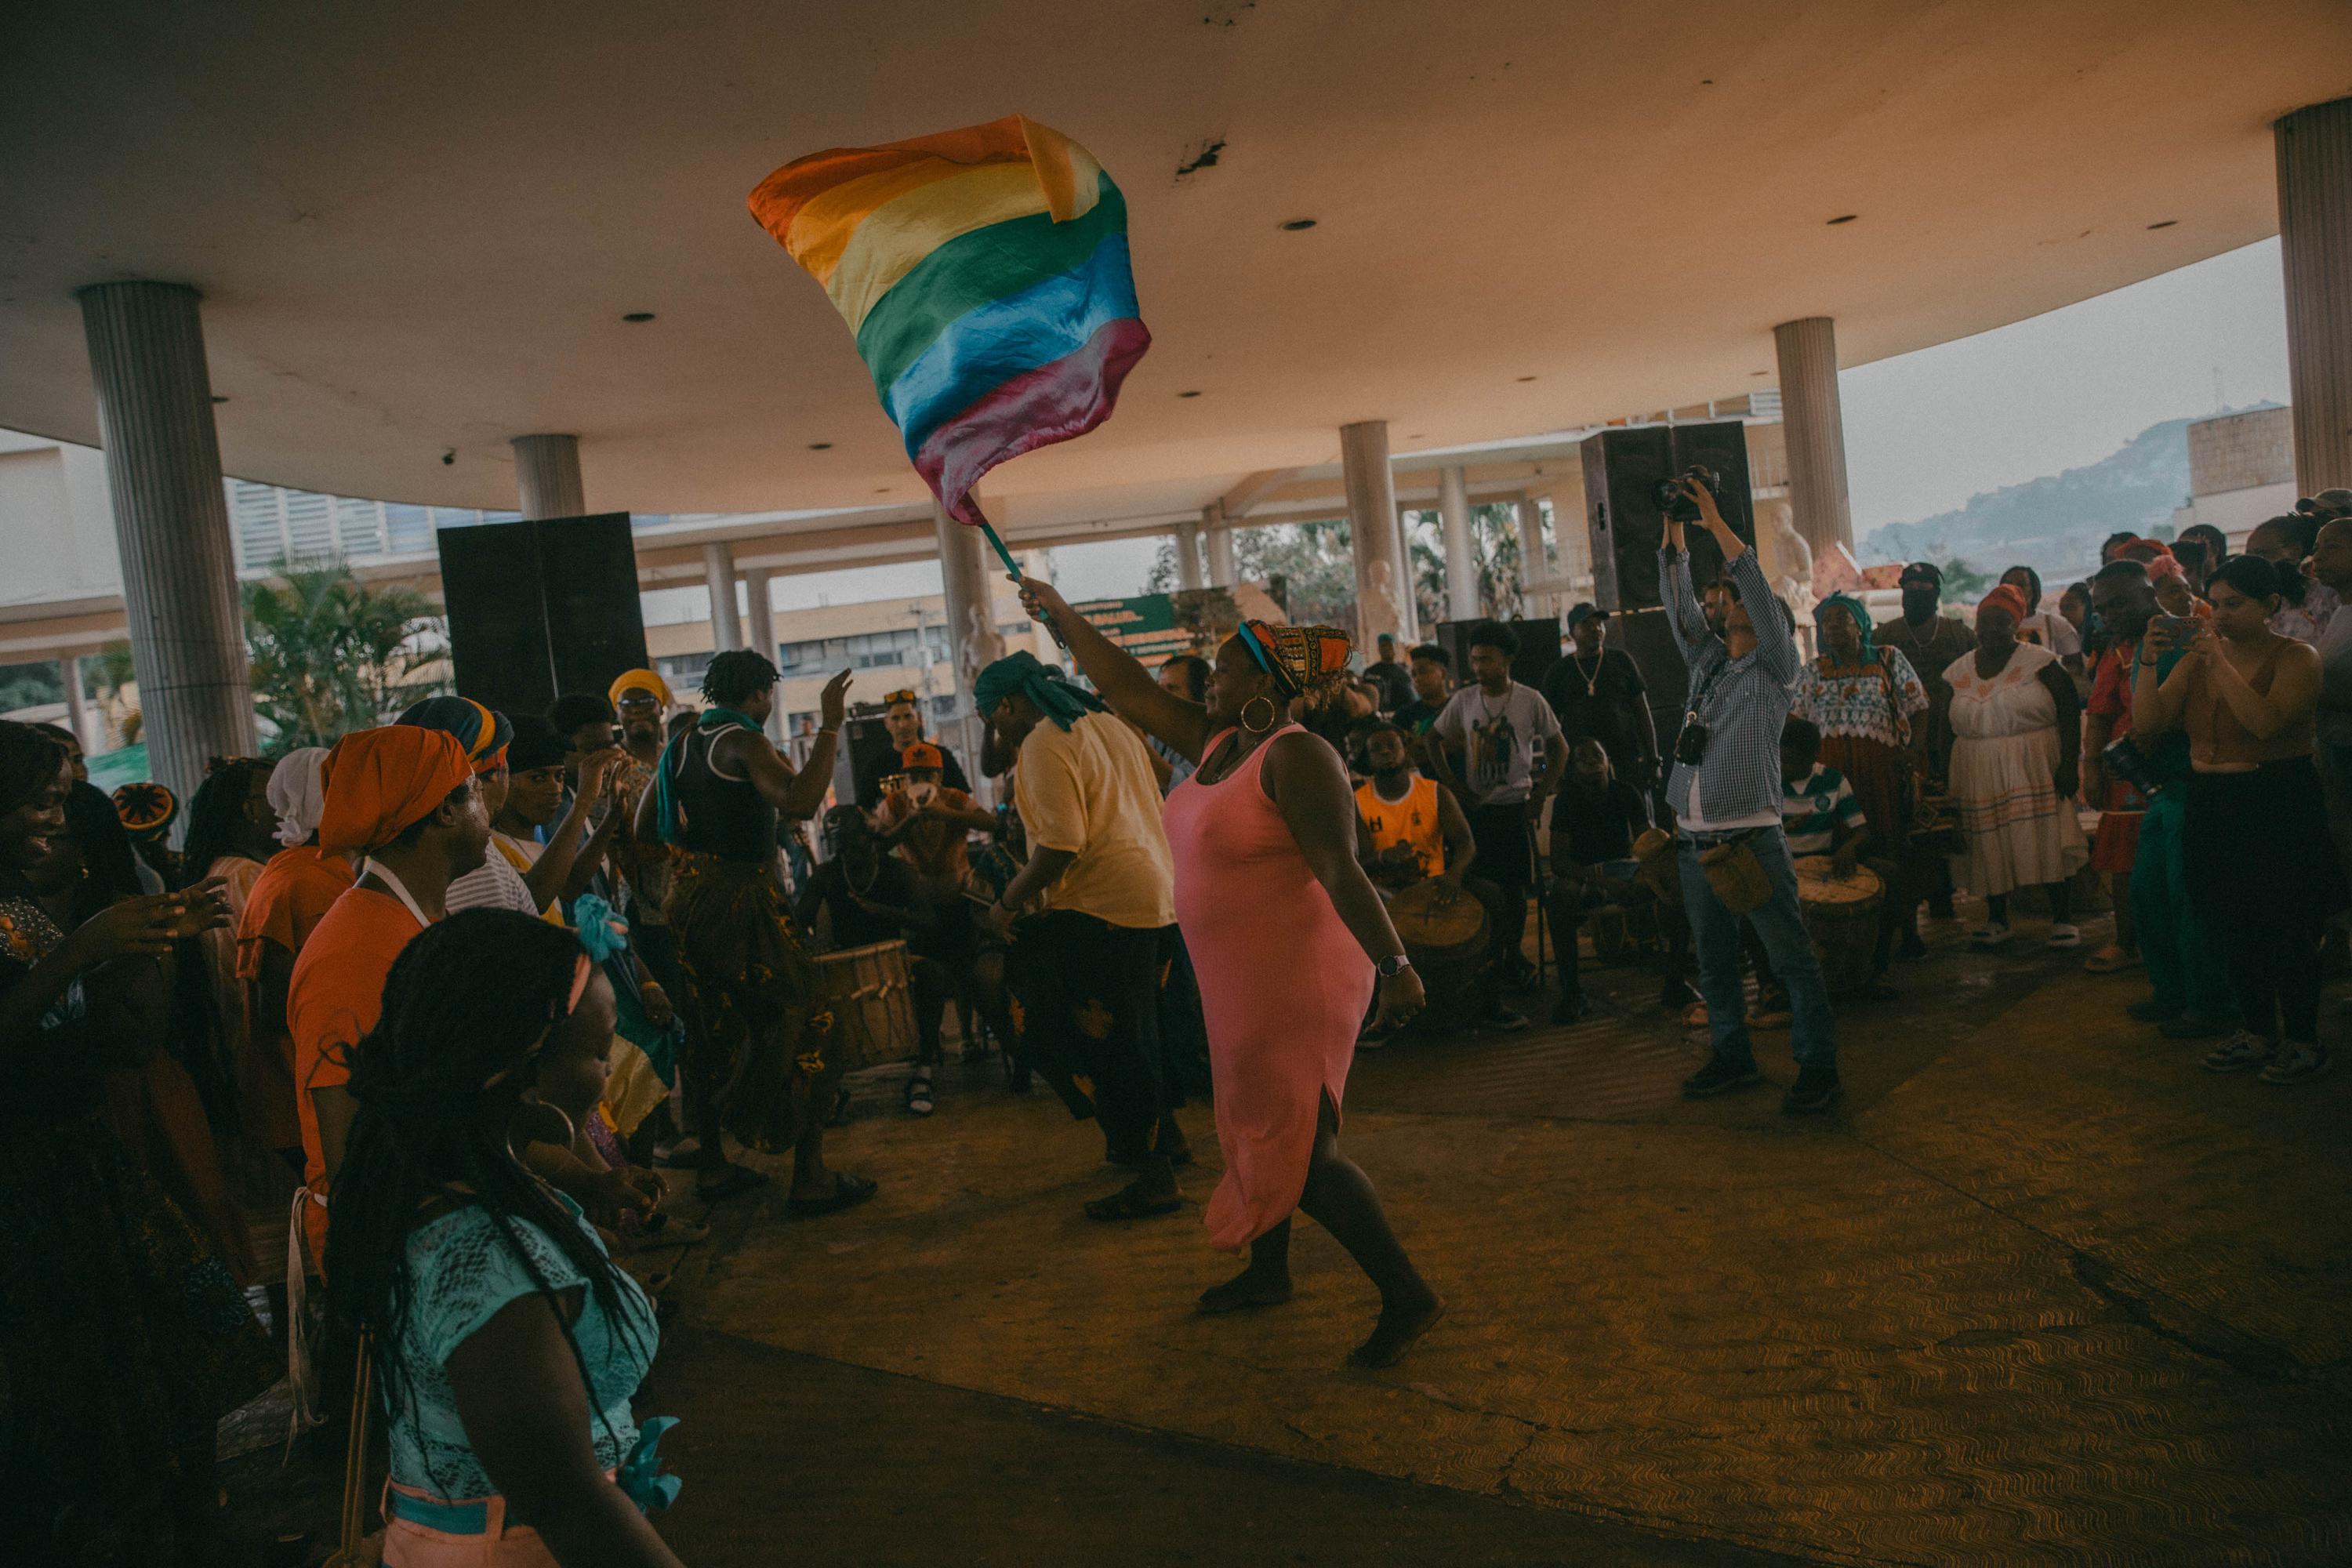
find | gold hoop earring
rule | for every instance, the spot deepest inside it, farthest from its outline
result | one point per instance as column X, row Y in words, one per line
column 1258, row 729
column 571, row 1130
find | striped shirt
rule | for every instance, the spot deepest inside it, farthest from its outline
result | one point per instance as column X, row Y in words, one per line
column 1814, row 810
column 1742, row 701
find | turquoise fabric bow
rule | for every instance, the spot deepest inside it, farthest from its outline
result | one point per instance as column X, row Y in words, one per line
column 640, row 1476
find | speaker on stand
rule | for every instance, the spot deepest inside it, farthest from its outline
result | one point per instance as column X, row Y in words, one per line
column 540, row 607
column 1623, row 470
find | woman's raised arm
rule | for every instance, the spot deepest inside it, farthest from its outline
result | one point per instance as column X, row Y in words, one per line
column 1123, row 681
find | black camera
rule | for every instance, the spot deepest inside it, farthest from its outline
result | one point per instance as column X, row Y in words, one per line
column 1690, row 745
column 1677, row 505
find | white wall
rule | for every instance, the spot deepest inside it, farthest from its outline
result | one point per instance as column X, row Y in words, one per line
column 57, row 530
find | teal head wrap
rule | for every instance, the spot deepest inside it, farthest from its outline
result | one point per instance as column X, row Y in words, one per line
column 1059, row 700
column 1852, row 607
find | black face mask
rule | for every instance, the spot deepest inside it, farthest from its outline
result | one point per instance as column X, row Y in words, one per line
column 1919, row 604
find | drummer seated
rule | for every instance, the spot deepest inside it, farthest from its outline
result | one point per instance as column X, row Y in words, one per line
column 1822, row 816
column 1595, row 818
column 1409, row 831
column 858, row 896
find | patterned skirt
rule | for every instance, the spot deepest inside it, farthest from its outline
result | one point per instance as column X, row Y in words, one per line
column 760, row 1044
column 123, row 1338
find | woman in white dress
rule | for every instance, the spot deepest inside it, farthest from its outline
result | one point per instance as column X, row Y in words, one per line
column 2017, row 730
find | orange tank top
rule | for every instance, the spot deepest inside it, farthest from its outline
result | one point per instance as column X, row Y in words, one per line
column 1412, row 821
column 2218, row 742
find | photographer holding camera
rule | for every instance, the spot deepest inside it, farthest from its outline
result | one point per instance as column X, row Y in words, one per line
column 1726, row 794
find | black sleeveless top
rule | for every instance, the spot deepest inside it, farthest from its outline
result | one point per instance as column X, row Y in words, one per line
column 719, row 814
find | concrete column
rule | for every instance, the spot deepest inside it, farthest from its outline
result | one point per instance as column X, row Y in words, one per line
column 973, row 641
column 1382, row 593
column 547, row 476
column 759, row 631
column 1188, row 556
column 77, row 701
column 171, row 526
column 718, row 572
column 2314, row 205
column 1461, row 561
column 1814, row 427
column 1220, row 538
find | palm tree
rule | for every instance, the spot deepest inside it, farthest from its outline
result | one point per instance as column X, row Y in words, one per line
column 331, row 655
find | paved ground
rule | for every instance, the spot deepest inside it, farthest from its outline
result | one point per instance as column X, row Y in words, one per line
column 2041, row 1292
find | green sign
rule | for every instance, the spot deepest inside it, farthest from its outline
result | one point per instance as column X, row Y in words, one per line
column 1145, row 627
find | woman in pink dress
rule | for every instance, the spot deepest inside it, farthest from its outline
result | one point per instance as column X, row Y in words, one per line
column 1290, row 941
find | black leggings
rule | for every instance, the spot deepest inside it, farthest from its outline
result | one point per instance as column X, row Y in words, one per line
column 1089, row 995
column 2259, row 859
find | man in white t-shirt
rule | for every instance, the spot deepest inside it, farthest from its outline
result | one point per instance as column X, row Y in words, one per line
column 1513, row 755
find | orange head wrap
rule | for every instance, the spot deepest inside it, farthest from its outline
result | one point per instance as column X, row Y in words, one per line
column 2007, row 597
column 380, row 781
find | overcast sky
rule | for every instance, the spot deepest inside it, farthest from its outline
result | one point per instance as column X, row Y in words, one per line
column 1925, row 431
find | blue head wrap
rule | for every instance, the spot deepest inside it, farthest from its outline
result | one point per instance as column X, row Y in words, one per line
column 1852, row 607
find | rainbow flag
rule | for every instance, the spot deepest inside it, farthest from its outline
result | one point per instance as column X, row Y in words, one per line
column 985, row 274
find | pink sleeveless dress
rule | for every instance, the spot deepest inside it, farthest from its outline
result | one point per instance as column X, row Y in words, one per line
column 1283, row 986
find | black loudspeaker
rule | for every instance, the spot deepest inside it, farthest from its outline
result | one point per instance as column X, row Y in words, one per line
column 1538, row 648
column 863, row 740
column 540, row 607
column 1645, row 638
column 1622, row 516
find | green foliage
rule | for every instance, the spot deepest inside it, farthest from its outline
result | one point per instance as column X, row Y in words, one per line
column 109, row 677
column 1312, row 565
column 329, row 655
column 30, row 686
column 1963, row 583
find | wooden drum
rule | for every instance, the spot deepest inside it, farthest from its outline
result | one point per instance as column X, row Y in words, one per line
column 1444, row 932
column 1841, row 916
column 871, row 992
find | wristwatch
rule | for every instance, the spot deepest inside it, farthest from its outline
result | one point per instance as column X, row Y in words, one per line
column 1394, row 964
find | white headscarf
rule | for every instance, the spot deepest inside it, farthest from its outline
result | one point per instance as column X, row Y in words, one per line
column 298, row 792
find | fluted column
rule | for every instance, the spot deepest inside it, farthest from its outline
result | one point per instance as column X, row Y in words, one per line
column 547, row 476
column 718, row 572
column 1219, row 535
column 1382, row 589
column 2314, row 199
column 759, row 631
column 1815, row 429
column 973, row 641
column 171, row 526
column 1461, row 561
column 1188, row 554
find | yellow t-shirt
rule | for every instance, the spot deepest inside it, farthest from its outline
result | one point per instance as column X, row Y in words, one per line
column 1413, row 822
column 1089, row 790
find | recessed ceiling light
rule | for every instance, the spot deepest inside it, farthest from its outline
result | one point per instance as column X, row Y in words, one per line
column 638, row 316
column 1849, row 218
column 820, row 446
column 882, row 491
column 1526, row 378
column 218, row 398
column 1295, row 225
column 2167, row 222
column 1188, row 395
column 1759, row 373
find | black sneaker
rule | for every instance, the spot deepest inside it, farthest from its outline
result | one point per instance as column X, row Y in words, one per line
column 1572, row 1008
column 1816, row 1089
column 1720, row 1076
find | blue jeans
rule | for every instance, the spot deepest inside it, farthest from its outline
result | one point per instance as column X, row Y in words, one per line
column 1782, row 928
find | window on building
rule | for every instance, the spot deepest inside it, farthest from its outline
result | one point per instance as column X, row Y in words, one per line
column 407, row 528
column 683, row 670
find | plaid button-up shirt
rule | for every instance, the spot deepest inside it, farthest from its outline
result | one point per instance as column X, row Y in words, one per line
column 1745, row 700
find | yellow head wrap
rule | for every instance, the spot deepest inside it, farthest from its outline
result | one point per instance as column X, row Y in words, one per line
column 638, row 680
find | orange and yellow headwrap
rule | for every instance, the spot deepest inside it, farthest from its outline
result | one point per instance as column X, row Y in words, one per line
column 1302, row 660
column 483, row 732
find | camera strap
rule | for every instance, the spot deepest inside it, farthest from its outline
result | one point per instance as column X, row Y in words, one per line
column 1706, row 690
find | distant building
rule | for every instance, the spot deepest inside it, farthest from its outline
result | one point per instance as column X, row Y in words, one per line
column 2240, row 471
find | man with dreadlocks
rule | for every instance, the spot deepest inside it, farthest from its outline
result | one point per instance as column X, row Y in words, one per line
column 761, row 1060
column 505, row 1342
column 1091, row 915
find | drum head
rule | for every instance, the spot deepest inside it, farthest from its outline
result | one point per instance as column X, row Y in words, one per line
column 1435, row 914
column 1819, row 883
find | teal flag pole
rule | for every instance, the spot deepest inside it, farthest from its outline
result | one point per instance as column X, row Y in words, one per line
column 1013, row 571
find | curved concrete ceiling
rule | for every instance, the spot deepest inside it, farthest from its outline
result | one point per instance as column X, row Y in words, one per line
column 418, row 226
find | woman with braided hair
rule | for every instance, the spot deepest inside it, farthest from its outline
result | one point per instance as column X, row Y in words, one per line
column 1290, row 941
column 506, row 1343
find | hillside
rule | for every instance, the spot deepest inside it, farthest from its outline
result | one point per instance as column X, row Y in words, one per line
column 2053, row 523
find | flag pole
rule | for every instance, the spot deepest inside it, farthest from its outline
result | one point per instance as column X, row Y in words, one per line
column 1013, row 571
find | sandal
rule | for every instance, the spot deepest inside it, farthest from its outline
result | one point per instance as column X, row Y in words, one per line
column 1695, row 1016
column 918, row 1095
column 738, row 1179
column 2111, row 960
column 849, row 1192
column 1130, row 1203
